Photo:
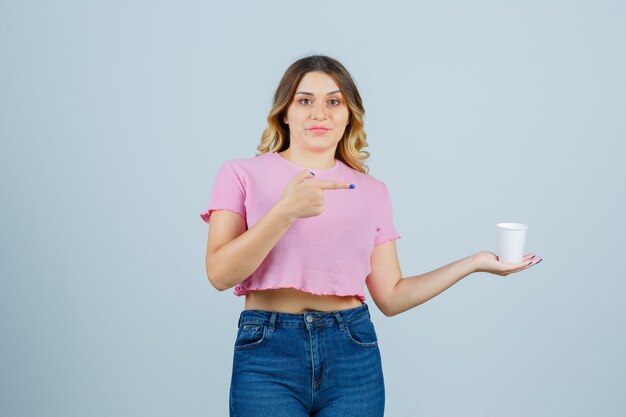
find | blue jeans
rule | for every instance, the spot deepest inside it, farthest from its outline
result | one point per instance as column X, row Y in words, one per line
column 317, row 363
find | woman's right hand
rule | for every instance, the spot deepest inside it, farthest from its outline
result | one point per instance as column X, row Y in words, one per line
column 305, row 198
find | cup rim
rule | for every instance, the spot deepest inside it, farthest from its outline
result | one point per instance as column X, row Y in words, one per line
column 512, row 226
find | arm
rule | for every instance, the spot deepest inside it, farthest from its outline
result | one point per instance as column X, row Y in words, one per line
column 393, row 294
column 234, row 253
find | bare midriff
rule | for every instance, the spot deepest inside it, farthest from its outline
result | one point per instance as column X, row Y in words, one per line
column 290, row 300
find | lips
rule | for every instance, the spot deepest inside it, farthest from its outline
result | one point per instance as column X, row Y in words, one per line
column 319, row 129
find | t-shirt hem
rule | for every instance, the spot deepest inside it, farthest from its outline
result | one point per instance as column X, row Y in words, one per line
column 387, row 240
column 205, row 215
column 240, row 291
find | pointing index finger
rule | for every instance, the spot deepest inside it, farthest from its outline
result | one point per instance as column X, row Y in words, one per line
column 332, row 185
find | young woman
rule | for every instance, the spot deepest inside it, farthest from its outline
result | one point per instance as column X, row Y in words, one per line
column 299, row 229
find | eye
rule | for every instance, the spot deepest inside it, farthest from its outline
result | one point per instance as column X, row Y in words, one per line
column 334, row 102
column 304, row 101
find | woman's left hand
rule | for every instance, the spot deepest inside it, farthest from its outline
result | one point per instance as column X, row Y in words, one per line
column 489, row 262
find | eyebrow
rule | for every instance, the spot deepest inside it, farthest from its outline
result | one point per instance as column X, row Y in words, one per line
column 311, row 94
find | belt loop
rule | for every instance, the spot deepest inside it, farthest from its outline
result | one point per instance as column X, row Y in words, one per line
column 272, row 321
column 339, row 320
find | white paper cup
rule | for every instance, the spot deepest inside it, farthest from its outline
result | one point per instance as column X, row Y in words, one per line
column 511, row 242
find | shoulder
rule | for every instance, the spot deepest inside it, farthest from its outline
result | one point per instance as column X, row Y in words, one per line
column 245, row 162
column 244, row 165
column 376, row 185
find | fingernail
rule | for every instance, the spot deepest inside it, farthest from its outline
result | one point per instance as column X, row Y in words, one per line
column 532, row 256
column 540, row 260
column 312, row 173
column 352, row 186
column 531, row 262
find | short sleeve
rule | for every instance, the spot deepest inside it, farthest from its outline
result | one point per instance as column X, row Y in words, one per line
column 228, row 192
column 385, row 230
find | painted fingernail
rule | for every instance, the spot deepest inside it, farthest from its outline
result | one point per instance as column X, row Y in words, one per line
column 312, row 173
column 540, row 260
column 529, row 263
column 352, row 186
column 532, row 256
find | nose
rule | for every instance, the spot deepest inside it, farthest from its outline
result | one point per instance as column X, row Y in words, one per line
column 318, row 112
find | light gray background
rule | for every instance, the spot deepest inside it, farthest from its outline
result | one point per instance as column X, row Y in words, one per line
column 114, row 118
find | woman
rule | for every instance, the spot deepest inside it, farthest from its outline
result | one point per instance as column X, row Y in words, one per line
column 299, row 229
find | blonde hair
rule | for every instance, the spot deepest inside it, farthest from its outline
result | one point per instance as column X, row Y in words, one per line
column 275, row 138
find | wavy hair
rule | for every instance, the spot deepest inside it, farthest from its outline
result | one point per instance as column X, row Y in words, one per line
column 275, row 138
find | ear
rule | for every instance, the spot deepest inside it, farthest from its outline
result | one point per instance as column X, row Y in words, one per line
column 285, row 119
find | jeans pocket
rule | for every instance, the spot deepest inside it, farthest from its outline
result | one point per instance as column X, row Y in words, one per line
column 250, row 335
column 361, row 332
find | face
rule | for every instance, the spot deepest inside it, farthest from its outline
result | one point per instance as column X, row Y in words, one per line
column 318, row 114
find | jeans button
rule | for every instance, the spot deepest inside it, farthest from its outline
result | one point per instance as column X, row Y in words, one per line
column 309, row 319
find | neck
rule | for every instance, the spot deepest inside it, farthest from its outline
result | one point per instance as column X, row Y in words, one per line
column 322, row 160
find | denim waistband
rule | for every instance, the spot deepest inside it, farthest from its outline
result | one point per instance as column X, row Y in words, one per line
column 305, row 320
